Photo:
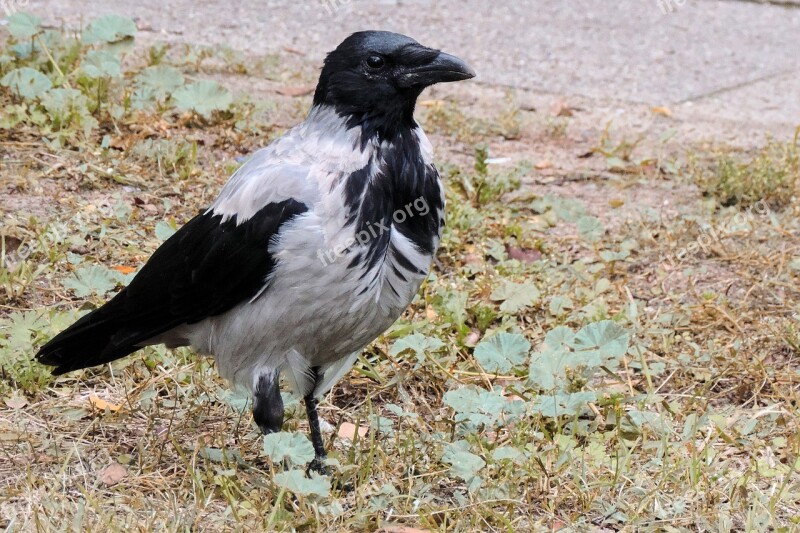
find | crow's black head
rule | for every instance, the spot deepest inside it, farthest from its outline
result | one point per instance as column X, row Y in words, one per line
column 376, row 76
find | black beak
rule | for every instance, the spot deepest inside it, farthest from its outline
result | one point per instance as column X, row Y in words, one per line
column 443, row 68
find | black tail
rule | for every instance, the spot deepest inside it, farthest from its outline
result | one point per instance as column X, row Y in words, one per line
column 104, row 335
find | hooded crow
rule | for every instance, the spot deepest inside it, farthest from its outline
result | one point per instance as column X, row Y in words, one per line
column 314, row 247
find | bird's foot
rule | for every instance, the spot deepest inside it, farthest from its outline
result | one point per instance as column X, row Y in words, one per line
column 318, row 465
column 337, row 482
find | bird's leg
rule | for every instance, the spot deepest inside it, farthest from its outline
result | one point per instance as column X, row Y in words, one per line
column 267, row 404
column 318, row 464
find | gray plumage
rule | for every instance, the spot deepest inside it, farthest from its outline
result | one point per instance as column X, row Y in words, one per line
column 314, row 247
column 326, row 312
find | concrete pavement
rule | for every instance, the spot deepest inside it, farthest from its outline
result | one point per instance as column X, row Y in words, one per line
column 736, row 61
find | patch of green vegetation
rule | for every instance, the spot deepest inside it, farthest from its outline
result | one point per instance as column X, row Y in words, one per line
column 70, row 87
column 771, row 176
column 173, row 158
column 484, row 186
column 508, row 124
column 447, row 118
column 20, row 333
column 556, row 127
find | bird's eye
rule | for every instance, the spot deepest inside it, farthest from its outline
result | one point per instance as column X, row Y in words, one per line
column 375, row 62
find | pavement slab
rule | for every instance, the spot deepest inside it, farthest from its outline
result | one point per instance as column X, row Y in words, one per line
column 718, row 61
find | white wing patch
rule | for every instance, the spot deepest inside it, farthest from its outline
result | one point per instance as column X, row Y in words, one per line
column 317, row 312
column 302, row 165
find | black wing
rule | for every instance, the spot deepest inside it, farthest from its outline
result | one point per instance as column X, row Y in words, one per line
column 206, row 268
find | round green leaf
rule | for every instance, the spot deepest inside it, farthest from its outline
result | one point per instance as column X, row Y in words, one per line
column 296, row 482
column 508, row 453
column 101, row 64
column 109, row 29
column 285, row 446
column 515, row 296
column 560, row 304
column 95, row 279
column 165, row 230
column 463, row 463
column 23, row 25
column 204, row 97
column 590, row 229
column 502, row 352
column 26, row 82
column 161, row 80
column 606, row 337
column 416, row 342
column 563, row 403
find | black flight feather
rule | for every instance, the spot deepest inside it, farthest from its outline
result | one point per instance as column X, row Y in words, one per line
column 206, row 268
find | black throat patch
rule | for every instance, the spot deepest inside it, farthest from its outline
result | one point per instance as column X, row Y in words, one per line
column 397, row 191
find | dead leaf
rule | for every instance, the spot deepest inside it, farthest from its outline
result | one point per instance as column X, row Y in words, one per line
column 113, row 474
column 508, row 396
column 79, row 249
column 401, row 529
column 525, row 255
column 206, row 139
column 430, row 314
column 473, row 259
column 118, row 143
column 562, row 109
column 122, row 269
column 294, row 50
column 348, row 431
column 101, row 404
column 11, row 243
column 541, row 165
column 16, row 401
column 9, row 435
column 296, row 90
column 616, row 202
column 662, row 110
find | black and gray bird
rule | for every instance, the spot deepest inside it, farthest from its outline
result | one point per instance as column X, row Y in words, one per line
column 314, row 247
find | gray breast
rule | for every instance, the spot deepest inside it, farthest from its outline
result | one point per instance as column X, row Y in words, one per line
column 322, row 302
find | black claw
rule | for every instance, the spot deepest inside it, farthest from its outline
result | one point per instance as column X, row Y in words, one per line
column 318, row 465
